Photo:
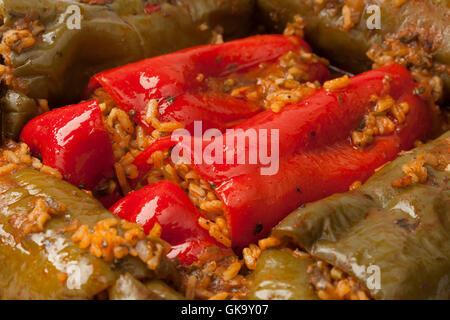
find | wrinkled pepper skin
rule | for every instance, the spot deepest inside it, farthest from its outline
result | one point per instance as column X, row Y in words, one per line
column 427, row 18
column 316, row 155
column 111, row 34
column 171, row 79
column 167, row 204
column 30, row 265
column 403, row 231
column 74, row 141
column 280, row 276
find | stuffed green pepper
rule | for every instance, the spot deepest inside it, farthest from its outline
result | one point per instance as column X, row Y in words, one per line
column 58, row 242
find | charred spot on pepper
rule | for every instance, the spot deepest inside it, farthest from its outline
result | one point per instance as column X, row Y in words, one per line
column 298, row 190
column 232, row 67
column 258, row 228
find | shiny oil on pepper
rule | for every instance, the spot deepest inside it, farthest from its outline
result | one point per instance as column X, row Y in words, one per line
column 166, row 203
column 74, row 141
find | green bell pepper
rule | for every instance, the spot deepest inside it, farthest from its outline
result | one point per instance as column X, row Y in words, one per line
column 279, row 275
column 16, row 109
column 31, row 265
column 401, row 233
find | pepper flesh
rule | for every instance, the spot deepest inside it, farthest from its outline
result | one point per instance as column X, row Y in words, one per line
column 402, row 231
column 74, row 141
column 317, row 157
column 166, row 203
column 171, row 80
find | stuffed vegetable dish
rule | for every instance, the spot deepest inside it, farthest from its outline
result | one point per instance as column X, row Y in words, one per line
column 225, row 149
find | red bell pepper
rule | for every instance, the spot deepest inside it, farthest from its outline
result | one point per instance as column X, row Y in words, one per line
column 167, row 204
column 171, row 79
column 162, row 144
column 74, row 141
column 317, row 157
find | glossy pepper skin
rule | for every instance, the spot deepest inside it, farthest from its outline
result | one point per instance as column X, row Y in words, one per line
column 279, row 275
column 316, row 155
column 122, row 31
column 171, row 80
column 426, row 20
column 30, row 266
column 74, row 141
column 167, row 204
column 404, row 231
